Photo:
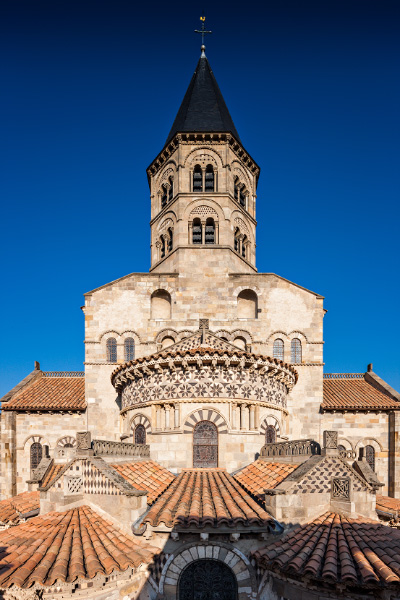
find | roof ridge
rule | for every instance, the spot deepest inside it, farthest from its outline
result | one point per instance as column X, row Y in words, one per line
column 344, row 375
column 63, row 373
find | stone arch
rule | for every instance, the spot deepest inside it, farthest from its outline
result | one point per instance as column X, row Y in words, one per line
column 238, row 171
column 223, row 333
column 270, row 420
column 168, row 221
column 166, row 333
column 205, row 414
column 203, row 211
column 36, row 438
column 237, row 221
column 129, row 333
column 203, row 156
column 140, row 420
column 168, row 170
column 203, row 202
column 66, row 441
column 108, row 334
column 161, row 304
column 232, row 557
column 244, row 333
column 368, row 442
column 247, row 304
column 348, row 446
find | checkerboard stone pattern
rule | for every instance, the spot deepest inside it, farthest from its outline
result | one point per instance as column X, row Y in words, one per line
column 319, row 479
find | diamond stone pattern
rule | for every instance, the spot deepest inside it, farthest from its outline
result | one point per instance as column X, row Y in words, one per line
column 319, row 479
column 205, row 382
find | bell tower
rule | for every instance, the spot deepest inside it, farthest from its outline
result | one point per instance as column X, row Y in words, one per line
column 203, row 188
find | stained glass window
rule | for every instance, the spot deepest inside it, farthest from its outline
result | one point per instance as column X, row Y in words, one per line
column 205, row 445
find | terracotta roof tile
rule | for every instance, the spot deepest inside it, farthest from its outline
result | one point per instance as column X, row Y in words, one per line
column 260, row 475
column 147, row 475
column 206, row 497
column 353, row 392
column 51, row 474
column 65, row 546
column 15, row 508
column 337, row 549
column 50, row 393
column 387, row 504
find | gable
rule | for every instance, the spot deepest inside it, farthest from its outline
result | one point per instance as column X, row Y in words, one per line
column 318, row 480
column 202, row 339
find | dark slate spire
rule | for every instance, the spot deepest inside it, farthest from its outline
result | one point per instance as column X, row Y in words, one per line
column 203, row 108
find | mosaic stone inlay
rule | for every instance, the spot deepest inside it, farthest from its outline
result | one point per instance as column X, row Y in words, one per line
column 205, row 382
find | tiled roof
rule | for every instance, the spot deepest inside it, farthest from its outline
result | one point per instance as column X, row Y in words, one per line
column 352, row 392
column 51, row 474
column 387, row 505
column 260, row 475
column 147, row 475
column 206, row 497
column 336, row 549
column 50, row 393
column 17, row 507
column 65, row 546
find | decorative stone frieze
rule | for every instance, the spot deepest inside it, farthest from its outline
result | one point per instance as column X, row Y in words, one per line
column 292, row 448
column 108, row 448
column 205, row 373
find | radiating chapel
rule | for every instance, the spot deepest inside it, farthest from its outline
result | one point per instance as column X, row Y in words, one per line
column 203, row 454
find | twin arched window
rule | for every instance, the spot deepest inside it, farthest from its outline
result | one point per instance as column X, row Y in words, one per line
column 241, row 244
column 111, row 347
column 209, row 231
column 295, row 350
column 166, row 243
column 203, row 179
column 239, row 192
column 167, row 192
column 270, row 434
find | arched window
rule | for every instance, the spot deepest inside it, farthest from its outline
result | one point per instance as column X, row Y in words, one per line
column 167, row 341
column 240, row 342
column 242, row 197
column 164, row 196
column 111, row 350
column 140, row 434
column 170, row 240
column 210, row 231
column 36, row 454
column 270, row 434
column 197, row 179
column 210, row 579
column 295, row 351
column 342, row 451
column 170, row 189
column 197, row 231
column 370, row 456
column 244, row 246
column 209, row 179
column 279, row 349
column 162, row 249
column 236, row 239
column 236, row 188
column 129, row 347
column 205, row 445
column 247, row 305
column 160, row 305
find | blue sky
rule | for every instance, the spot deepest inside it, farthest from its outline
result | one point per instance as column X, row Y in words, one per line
column 89, row 93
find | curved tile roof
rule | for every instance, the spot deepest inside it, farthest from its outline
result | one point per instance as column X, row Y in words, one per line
column 50, row 393
column 261, row 475
column 146, row 475
column 350, row 391
column 203, row 497
column 336, row 549
column 65, row 546
column 18, row 507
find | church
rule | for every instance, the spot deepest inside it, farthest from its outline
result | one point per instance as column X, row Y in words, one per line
column 203, row 452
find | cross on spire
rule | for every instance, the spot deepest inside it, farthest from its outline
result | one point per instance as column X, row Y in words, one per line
column 203, row 32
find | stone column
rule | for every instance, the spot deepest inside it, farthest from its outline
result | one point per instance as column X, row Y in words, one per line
column 167, row 408
column 243, row 417
column 190, row 232
column 252, row 411
column 158, row 417
column 176, row 416
column 216, row 240
column 256, row 417
column 203, row 232
column 234, row 415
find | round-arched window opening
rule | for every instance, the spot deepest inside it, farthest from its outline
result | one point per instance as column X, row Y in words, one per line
column 167, row 341
column 140, row 434
column 342, row 451
column 240, row 342
column 207, row 580
column 270, row 434
column 370, row 456
column 205, row 445
column 247, row 305
column 36, row 455
column 161, row 305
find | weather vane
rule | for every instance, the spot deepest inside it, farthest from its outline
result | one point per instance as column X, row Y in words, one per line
column 203, row 32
